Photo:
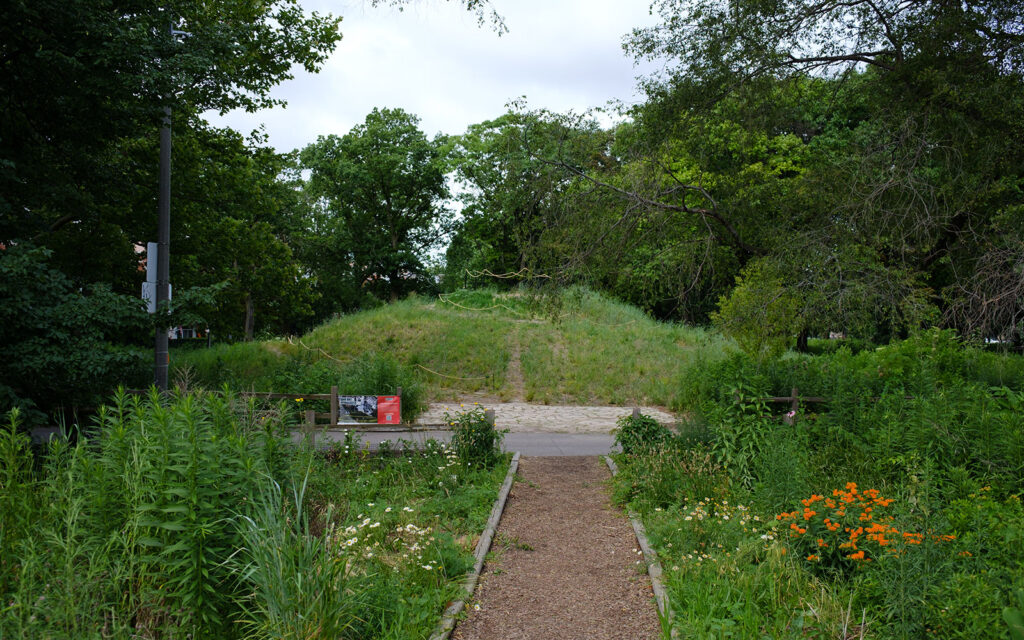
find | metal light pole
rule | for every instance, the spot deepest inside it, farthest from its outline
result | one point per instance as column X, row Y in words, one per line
column 162, row 357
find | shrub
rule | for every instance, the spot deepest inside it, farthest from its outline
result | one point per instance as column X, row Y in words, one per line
column 666, row 474
column 475, row 440
column 134, row 526
column 249, row 366
column 636, row 433
column 760, row 313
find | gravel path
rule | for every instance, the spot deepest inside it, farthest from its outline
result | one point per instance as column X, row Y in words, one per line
column 566, row 566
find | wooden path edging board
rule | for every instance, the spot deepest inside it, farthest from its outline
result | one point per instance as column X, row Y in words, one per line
column 653, row 564
column 447, row 625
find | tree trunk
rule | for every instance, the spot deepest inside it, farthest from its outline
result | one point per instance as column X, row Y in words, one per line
column 250, row 317
column 393, row 297
column 801, row 341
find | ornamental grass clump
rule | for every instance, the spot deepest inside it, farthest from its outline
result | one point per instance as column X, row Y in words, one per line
column 850, row 528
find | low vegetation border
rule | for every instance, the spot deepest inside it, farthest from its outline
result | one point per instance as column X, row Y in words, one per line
column 653, row 564
column 447, row 624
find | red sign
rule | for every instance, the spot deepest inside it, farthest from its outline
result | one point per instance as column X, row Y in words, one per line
column 389, row 409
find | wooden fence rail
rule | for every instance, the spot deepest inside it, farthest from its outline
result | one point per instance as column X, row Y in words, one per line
column 793, row 400
column 312, row 417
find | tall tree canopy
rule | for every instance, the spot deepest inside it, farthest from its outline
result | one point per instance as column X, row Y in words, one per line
column 77, row 76
column 380, row 192
column 82, row 85
column 909, row 155
column 858, row 160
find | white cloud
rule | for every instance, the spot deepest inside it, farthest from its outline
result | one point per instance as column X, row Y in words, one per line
column 434, row 61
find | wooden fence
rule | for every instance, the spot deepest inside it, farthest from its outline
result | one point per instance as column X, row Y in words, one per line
column 312, row 419
column 793, row 400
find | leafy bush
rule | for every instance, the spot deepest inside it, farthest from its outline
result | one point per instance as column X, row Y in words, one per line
column 932, row 425
column 475, row 440
column 278, row 369
column 666, row 474
column 635, row 433
column 760, row 313
column 140, row 514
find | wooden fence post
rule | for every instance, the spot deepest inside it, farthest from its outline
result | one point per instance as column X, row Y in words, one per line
column 311, row 426
column 636, row 412
column 794, row 406
column 489, row 416
column 334, row 405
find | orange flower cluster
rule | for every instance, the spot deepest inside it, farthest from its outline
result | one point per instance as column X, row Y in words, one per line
column 841, row 525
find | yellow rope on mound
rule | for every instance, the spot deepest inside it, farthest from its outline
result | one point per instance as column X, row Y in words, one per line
column 496, row 306
column 322, row 352
column 505, row 276
column 452, row 377
column 622, row 324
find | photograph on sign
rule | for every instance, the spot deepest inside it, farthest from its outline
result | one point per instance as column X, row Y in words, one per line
column 357, row 409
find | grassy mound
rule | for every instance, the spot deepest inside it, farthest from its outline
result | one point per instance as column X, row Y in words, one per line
column 576, row 348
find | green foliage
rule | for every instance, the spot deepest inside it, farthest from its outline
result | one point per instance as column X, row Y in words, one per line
column 62, row 347
column 300, row 588
column 193, row 517
column 280, row 368
column 379, row 192
column 913, row 429
column 668, row 475
column 1014, row 618
column 475, row 440
column 139, row 517
column 237, row 212
column 760, row 314
column 637, row 433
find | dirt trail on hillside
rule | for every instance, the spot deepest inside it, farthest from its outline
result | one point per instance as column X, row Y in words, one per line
column 514, row 373
column 566, row 565
column 523, row 417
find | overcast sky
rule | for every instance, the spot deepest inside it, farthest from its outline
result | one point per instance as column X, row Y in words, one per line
column 434, row 61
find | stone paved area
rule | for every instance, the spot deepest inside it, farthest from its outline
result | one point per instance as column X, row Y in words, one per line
column 540, row 418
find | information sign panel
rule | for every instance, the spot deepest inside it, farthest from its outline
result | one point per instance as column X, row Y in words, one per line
column 389, row 410
column 369, row 409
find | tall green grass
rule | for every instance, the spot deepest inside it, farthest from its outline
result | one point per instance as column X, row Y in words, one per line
column 280, row 367
column 194, row 517
column 607, row 352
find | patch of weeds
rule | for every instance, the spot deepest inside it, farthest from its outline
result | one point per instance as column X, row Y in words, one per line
column 514, row 541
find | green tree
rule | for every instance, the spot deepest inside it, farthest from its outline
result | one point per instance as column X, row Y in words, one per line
column 908, row 156
column 62, row 347
column 84, row 83
column 380, row 192
column 81, row 75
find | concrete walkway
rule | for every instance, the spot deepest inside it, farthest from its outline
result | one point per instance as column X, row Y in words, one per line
column 526, row 443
